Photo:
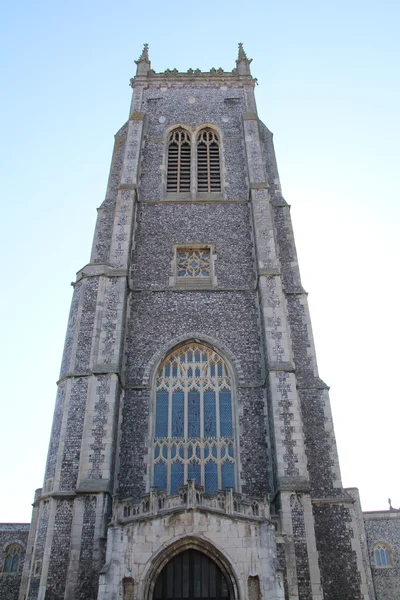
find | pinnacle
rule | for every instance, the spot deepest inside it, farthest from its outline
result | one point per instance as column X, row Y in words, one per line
column 144, row 57
column 242, row 54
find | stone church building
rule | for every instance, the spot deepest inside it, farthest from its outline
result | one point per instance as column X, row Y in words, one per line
column 192, row 455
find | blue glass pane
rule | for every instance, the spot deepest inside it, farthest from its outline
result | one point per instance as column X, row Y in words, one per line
column 230, row 451
column 7, row 566
column 228, row 474
column 156, row 452
column 214, row 451
column 212, row 370
column 197, row 357
column 190, row 356
column 162, row 414
column 190, row 373
column 219, row 370
column 194, row 472
column 167, row 370
column 378, row 558
column 173, row 452
column 225, row 413
column 211, row 477
column 387, row 558
column 160, row 475
column 178, row 413
column 210, row 420
column 193, row 414
column 15, row 562
column 176, row 477
column 174, row 371
column 197, row 372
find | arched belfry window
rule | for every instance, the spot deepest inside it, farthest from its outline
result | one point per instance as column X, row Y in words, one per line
column 208, row 161
column 178, row 168
column 193, row 433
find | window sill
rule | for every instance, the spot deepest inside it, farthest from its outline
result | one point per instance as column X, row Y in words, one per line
column 199, row 197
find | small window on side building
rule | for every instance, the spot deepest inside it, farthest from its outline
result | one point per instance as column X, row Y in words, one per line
column 383, row 555
column 12, row 558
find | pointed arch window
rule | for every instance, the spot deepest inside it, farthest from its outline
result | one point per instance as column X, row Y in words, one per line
column 383, row 555
column 208, row 161
column 12, row 558
column 179, row 161
column 193, row 433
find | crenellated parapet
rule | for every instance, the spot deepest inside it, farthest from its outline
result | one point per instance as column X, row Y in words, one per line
column 190, row 496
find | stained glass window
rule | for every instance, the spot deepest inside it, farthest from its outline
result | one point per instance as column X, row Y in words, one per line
column 193, row 262
column 12, row 558
column 193, row 433
column 383, row 557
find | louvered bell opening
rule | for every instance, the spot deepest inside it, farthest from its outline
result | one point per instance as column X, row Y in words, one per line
column 202, row 168
column 184, row 171
column 215, row 170
column 173, row 162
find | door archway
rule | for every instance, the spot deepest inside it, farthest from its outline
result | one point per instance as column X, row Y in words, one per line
column 191, row 575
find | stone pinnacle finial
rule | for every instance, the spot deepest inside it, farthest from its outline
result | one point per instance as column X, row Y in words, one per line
column 143, row 62
column 145, row 54
column 243, row 63
column 241, row 54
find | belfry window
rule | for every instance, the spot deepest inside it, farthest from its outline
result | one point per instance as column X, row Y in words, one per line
column 179, row 163
column 208, row 162
column 193, row 436
column 382, row 555
column 12, row 558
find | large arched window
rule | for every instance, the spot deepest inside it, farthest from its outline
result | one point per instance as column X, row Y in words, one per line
column 179, row 163
column 208, row 161
column 193, row 432
column 12, row 558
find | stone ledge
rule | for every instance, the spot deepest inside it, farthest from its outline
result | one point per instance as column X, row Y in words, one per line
column 333, row 500
column 249, row 116
column 99, row 270
column 269, row 270
column 93, row 486
column 281, row 366
column 58, row 494
column 296, row 290
column 127, row 186
column 192, row 288
column 197, row 200
column 100, row 370
column 137, row 116
column 315, row 383
column 262, row 185
column 292, row 484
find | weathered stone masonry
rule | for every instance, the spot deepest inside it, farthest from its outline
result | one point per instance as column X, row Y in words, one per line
column 101, row 527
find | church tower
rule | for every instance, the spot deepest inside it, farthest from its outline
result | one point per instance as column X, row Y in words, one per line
column 192, row 454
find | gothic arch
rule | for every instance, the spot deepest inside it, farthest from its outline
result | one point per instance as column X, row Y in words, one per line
column 235, row 365
column 199, row 443
column 169, row 550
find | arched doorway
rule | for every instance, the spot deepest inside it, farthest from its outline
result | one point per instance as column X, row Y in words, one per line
column 191, row 575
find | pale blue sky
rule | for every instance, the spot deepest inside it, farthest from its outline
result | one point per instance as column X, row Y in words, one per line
column 329, row 90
